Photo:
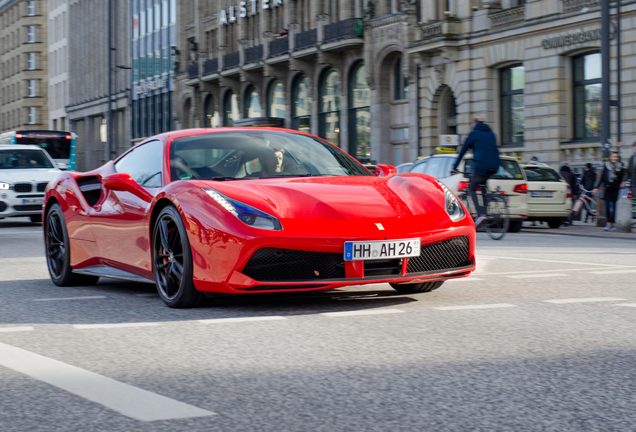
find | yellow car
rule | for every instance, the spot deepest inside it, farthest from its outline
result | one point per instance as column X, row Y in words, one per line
column 549, row 195
column 510, row 179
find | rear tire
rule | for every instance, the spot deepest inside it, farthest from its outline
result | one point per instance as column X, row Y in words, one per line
column 415, row 288
column 555, row 222
column 58, row 251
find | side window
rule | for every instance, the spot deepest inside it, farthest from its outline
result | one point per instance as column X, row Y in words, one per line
column 435, row 167
column 420, row 167
column 144, row 164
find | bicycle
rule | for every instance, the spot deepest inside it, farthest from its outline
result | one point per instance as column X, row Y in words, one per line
column 586, row 202
column 497, row 212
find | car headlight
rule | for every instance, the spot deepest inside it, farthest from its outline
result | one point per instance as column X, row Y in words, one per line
column 247, row 214
column 452, row 205
column 5, row 186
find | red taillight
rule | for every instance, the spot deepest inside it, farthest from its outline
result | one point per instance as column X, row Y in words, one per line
column 18, row 135
column 521, row 188
column 630, row 195
column 68, row 137
column 462, row 186
column 568, row 194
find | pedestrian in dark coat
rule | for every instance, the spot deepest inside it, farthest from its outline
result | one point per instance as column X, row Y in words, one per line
column 611, row 180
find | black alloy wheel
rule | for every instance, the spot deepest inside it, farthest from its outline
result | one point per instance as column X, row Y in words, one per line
column 172, row 261
column 58, row 252
column 414, row 288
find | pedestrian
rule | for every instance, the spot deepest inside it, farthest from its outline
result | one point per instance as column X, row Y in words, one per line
column 588, row 179
column 631, row 170
column 570, row 179
column 611, row 180
column 483, row 143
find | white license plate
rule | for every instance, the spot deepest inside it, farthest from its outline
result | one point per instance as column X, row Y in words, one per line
column 32, row 200
column 541, row 194
column 381, row 249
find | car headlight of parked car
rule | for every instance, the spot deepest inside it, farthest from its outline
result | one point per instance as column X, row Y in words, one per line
column 5, row 186
column 453, row 208
column 245, row 213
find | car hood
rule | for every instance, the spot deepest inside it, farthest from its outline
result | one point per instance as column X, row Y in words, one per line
column 399, row 203
column 28, row 175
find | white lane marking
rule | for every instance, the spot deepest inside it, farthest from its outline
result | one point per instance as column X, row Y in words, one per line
column 126, row 399
column 15, row 329
column 542, row 271
column 8, row 233
column 115, row 325
column 481, row 306
column 361, row 312
column 470, row 279
column 69, row 298
column 536, row 275
column 584, row 300
column 579, row 263
column 23, row 260
column 241, row 319
column 604, row 272
column 626, row 304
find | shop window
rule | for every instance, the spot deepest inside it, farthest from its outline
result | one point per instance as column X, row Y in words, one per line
column 301, row 104
column 511, row 103
column 329, row 108
column 587, row 96
column 276, row 100
column 252, row 106
column 359, row 114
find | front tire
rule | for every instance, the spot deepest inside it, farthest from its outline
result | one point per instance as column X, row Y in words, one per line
column 414, row 288
column 172, row 261
column 58, row 251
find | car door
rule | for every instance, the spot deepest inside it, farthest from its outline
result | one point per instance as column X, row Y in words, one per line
column 122, row 233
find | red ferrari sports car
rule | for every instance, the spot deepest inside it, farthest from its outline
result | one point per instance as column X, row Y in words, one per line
column 252, row 210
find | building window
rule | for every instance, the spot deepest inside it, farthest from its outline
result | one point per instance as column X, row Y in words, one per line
column 400, row 86
column 252, row 106
column 511, row 93
column 230, row 108
column 30, row 7
column 32, row 115
column 211, row 119
column 276, row 100
column 329, row 108
column 31, row 35
column 359, row 114
column 31, row 61
column 587, row 96
column 31, row 88
column 301, row 104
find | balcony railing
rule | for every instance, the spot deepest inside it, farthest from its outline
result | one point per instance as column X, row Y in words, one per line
column 278, row 47
column 345, row 29
column 508, row 17
column 210, row 66
column 253, row 54
column 306, row 39
column 231, row 60
column 193, row 70
column 578, row 5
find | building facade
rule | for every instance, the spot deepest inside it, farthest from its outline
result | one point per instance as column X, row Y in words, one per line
column 23, row 64
column 100, row 76
column 391, row 80
column 153, row 53
column 58, row 62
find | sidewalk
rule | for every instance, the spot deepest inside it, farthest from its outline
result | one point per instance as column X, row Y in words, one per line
column 580, row 229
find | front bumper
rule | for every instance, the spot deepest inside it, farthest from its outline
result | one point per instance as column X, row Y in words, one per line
column 15, row 204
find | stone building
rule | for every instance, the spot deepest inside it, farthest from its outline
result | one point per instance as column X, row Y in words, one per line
column 99, row 78
column 23, row 64
column 58, row 56
column 390, row 80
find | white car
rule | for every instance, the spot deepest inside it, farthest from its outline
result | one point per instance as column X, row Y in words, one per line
column 25, row 170
column 549, row 195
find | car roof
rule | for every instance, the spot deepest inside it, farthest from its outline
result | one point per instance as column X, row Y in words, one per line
column 454, row 155
column 536, row 165
column 19, row 147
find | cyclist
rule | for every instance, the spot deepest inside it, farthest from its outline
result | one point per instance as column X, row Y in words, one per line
column 483, row 144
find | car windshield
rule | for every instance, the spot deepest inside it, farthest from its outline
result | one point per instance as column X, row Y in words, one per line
column 24, row 159
column 508, row 169
column 541, row 174
column 258, row 154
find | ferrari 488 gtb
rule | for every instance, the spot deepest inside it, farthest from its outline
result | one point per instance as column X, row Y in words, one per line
column 252, row 210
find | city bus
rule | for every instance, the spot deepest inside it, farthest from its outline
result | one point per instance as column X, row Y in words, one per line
column 60, row 145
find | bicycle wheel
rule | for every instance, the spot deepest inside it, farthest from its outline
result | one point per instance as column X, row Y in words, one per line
column 498, row 219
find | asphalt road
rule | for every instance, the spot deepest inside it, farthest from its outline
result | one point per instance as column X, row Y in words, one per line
column 541, row 338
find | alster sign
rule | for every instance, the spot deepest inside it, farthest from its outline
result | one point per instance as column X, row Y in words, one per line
column 246, row 8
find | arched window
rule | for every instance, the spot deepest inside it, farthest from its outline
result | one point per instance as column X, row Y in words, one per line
column 359, row 114
column 400, row 86
column 187, row 112
column 210, row 116
column 329, row 108
column 252, row 106
column 301, row 104
column 276, row 100
column 230, row 108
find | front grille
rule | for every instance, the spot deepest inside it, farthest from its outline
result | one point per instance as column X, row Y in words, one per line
column 31, row 207
column 445, row 255
column 30, row 196
column 41, row 187
column 385, row 267
column 22, row 187
column 272, row 264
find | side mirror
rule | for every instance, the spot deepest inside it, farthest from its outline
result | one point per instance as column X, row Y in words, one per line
column 385, row 170
column 125, row 183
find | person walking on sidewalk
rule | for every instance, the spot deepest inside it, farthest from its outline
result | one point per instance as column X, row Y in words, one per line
column 483, row 144
column 611, row 180
column 631, row 170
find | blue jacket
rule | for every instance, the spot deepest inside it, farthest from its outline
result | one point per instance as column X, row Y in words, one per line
column 483, row 143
